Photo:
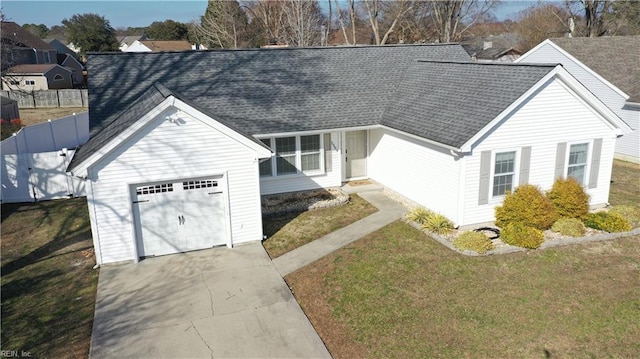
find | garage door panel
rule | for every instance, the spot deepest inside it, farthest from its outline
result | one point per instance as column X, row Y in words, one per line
column 204, row 220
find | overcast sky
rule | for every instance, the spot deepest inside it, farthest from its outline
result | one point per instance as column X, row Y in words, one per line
column 143, row 12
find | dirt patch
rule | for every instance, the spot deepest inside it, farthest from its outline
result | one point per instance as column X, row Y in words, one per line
column 359, row 183
column 34, row 116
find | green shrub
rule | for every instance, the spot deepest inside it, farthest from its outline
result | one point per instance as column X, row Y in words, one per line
column 520, row 235
column 474, row 241
column 438, row 223
column 569, row 227
column 526, row 205
column 630, row 213
column 419, row 215
column 608, row 222
column 569, row 198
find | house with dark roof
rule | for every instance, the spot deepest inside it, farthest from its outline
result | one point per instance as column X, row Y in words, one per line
column 492, row 48
column 20, row 46
column 610, row 68
column 37, row 77
column 184, row 144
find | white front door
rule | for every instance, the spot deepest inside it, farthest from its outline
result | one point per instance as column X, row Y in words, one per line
column 180, row 216
column 355, row 154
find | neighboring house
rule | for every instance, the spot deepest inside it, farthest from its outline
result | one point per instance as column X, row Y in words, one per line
column 126, row 41
column 37, row 77
column 20, row 46
column 61, row 47
column 158, row 45
column 610, row 68
column 492, row 48
column 71, row 63
column 178, row 162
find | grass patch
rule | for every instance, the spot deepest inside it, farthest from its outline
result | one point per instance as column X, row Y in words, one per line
column 48, row 284
column 34, row 116
column 625, row 187
column 288, row 232
column 396, row 293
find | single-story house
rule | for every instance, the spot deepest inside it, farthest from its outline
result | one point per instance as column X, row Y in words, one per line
column 158, row 45
column 76, row 67
column 492, row 48
column 183, row 144
column 610, row 68
column 37, row 77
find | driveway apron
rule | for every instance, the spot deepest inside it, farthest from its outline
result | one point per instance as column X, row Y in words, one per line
column 212, row 303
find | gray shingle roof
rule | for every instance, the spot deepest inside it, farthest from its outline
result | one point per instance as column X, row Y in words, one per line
column 450, row 102
column 286, row 90
column 615, row 58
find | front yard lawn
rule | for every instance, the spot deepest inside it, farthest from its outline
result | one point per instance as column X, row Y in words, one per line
column 287, row 232
column 48, row 284
column 398, row 294
column 625, row 184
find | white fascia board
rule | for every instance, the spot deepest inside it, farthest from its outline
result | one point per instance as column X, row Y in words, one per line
column 261, row 151
column 576, row 61
column 82, row 167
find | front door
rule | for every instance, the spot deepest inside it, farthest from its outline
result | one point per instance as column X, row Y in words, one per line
column 355, row 154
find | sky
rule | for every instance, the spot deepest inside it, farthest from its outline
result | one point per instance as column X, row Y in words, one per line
column 122, row 14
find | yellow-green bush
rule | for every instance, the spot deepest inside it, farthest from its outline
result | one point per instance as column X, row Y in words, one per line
column 608, row 222
column 520, row 235
column 419, row 215
column 438, row 223
column 474, row 241
column 630, row 213
column 569, row 198
column 569, row 227
column 526, row 205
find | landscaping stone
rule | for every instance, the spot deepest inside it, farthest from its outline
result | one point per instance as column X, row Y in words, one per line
column 274, row 205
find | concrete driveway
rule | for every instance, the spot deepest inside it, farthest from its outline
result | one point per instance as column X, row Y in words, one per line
column 213, row 303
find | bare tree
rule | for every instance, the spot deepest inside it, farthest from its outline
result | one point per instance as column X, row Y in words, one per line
column 342, row 15
column 388, row 13
column 302, row 23
column 541, row 22
column 223, row 25
column 451, row 18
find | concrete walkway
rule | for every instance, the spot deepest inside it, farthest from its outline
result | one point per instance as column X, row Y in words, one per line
column 389, row 211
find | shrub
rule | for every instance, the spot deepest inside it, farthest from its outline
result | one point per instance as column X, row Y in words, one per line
column 569, row 198
column 518, row 234
column 7, row 128
column 438, row 223
column 526, row 205
column 419, row 215
column 630, row 213
column 608, row 222
column 569, row 227
column 474, row 241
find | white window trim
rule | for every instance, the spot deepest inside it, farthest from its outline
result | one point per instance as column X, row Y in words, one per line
column 47, row 57
column 516, row 172
column 58, row 79
column 298, row 158
column 587, row 167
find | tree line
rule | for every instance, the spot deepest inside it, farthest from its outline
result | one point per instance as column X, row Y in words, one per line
column 254, row 23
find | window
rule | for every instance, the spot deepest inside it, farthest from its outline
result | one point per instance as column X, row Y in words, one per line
column 188, row 185
column 14, row 82
column 310, row 152
column 578, row 161
column 504, row 172
column 286, row 155
column 159, row 188
column 58, row 77
column 47, row 59
column 29, row 82
column 294, row 154
column 265, row 165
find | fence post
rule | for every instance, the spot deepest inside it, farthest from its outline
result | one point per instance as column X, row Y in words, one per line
column 53, row 135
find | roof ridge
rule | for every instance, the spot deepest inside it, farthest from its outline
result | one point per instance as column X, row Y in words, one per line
column 491, row 63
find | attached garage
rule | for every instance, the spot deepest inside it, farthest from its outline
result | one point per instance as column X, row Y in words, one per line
column 165, row 178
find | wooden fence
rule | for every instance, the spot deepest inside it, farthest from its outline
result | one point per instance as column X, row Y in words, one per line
column 49, row 98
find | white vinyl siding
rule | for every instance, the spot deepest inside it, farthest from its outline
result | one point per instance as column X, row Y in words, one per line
column 164, row 151
column 627, row 146
column 577, row 166
column 329, row 176
column 554, row 115
column 423, row 173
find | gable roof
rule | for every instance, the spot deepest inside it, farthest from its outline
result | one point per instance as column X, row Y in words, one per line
column 616, row 58
column 14, row 34
column 130, row 39
column 450, row 102
column 263, row 91
column 499, row 45
column 166, row 45
column 33, row 69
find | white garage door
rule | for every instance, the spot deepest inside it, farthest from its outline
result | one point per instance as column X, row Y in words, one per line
column 182, row 216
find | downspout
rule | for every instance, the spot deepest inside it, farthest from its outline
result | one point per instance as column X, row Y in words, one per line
column 35, row 51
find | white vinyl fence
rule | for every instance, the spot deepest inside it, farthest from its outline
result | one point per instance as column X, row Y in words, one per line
column 34, row 161
column 29, row 177
column 65, row 132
